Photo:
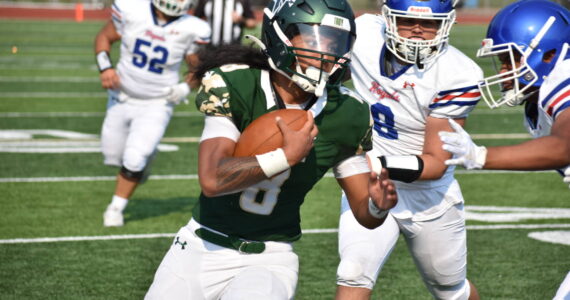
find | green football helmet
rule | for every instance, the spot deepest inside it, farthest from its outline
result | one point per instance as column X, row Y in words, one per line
column 321, row 31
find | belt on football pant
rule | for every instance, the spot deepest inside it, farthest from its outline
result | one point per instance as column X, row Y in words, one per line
column 232, row 242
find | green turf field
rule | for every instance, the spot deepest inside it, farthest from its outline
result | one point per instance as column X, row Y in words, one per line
column 53, row 244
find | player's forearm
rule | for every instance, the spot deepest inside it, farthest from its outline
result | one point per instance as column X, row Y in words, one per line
column 363, row 216
column 102, row 43
column 233, row 174
column 549, row 152
column 357, row 193
column 434, row 167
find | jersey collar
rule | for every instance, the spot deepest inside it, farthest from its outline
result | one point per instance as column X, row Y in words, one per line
column 155, row 18
column 382, row 61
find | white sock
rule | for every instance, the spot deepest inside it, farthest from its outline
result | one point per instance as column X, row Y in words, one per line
column 119, row 203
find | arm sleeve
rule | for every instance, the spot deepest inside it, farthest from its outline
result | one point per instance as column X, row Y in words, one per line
column 213, row 96
column 555, row 91
column 117, row 16
column 215, row 127
column 459, row 93
column 351, row 166
column 201, row 36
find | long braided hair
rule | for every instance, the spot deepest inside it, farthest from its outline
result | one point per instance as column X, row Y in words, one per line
column 211, row 57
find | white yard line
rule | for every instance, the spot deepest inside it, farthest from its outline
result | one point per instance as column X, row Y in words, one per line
column 20, row 95
column 306, row 231
column 80, row 114
column 195, row 176
column 92, row 178
column 49, row 79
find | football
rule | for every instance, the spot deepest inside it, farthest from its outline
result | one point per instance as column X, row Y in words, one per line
column 263, row 135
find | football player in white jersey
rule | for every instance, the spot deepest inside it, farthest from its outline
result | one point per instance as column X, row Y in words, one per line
column 156, row 37
column 530, row 39
column 403, row 66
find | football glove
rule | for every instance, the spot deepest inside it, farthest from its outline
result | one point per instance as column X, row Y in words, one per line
column 567, row 176
column 177, row 93
column 465, row 151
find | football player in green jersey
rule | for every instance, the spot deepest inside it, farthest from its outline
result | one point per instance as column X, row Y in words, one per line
column 238, row 243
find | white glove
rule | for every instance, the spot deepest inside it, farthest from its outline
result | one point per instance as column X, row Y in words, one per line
column 177, row 93
column 464, row 151
column 567, row 176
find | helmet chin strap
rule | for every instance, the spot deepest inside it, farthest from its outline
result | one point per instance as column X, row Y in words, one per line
column 313, row 74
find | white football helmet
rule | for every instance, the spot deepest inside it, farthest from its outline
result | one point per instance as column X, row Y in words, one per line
column 173, row 8
column 414, row 51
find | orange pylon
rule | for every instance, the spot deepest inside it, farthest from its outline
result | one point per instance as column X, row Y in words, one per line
column 79, row 12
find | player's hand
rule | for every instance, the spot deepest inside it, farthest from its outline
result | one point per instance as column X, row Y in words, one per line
column 382, row 190
column 109, row 79
column 465, row 151
column 177, row 93
column 567, row 176
column 297, row 144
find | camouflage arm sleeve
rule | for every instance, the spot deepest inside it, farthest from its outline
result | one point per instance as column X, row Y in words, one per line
column 213, row 96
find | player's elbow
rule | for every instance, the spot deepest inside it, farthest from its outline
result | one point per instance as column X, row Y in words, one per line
column 209, row 188
column 370, row 222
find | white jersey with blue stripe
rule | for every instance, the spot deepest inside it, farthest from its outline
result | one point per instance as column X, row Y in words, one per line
column 151, row 53
column 401, row 103
column 554, row 97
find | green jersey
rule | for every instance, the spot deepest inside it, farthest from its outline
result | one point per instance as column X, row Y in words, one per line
column 270, row 210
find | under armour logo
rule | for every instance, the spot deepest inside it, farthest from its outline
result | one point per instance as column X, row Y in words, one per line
column 407, row 84
column 181, row 244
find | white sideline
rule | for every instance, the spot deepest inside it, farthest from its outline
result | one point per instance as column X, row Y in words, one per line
column 307, row 231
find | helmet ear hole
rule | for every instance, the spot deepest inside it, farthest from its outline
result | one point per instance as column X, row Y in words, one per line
column 549, row 56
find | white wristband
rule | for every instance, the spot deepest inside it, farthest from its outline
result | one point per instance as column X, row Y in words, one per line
column 375, row 211
column 273, row 162
column 103, row 61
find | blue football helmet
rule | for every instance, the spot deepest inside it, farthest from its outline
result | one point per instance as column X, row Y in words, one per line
column 418, row 51
column 528, row 36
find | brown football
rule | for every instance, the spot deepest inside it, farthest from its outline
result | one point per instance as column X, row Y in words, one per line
column 263, row 135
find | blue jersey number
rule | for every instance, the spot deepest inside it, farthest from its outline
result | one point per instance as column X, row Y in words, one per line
column 384, row 121
column 140, row 58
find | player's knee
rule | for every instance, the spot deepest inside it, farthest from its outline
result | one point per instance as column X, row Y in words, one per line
column 112, row 157
column 134, row 160
column 458, row 290
column 132, row 175
column 351, row 273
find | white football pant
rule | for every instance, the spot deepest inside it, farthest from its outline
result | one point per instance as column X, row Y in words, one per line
column 196, row 269
column 132, row 131
column 437, row 246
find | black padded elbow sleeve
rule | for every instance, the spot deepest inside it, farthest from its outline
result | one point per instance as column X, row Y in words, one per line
column 406, row 168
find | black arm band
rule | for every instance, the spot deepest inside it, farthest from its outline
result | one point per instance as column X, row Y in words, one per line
column 406, row 168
